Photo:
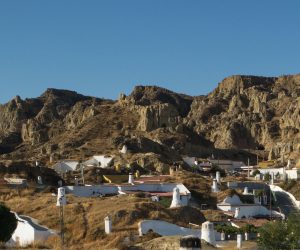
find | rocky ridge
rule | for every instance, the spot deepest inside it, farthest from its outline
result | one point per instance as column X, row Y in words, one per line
column 243, row 113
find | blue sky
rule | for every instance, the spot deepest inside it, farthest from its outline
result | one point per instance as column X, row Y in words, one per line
column 102, row 48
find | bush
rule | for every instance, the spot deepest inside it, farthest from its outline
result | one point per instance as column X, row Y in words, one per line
column 8, row 223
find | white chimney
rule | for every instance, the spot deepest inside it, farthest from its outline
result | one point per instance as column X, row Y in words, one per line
column 108, row 225
column 214, row 187
column 208, row 232
column 237, row 213
column 176, row 201
column 130, row 178
column 39, row 180
column 239, row 241
column 76, row 181
column 246, row 190
column 218, row 177
column 222, row 236
column 246, row 236
column 61, row 197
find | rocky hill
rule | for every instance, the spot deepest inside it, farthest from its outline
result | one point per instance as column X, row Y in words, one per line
column 243, row 114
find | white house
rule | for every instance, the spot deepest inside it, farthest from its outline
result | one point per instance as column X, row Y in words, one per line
column 228, row 164
column 28, row 231
column 293, row 173
column 235, row 205
column 101, row 161
column 66, row 166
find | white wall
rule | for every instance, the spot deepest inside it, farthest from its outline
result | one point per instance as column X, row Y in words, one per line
column 275, row 188
column 23, row 235
column 189, row 160
column 89, row 191
column 232, row 200
column 26, row 233
column 293, row 174
column 166, row 229
column 248, row 210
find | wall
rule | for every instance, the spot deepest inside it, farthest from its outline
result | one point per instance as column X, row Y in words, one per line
column 166, row 229
column 248, row 210
column 27, row 233
column 89, row 191
column 189, row 160
column 23, row 235
column 291, row 173
column 275, row 188
column 233, row 200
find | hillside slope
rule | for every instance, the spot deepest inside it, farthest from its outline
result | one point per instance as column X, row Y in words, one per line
column 243, row 112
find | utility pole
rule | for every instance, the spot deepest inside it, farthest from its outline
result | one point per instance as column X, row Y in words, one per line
column 82, row 173
column 270, row 202
column 248, row 168
column 61, row 216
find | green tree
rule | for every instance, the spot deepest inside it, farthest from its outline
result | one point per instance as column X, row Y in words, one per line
column 283, row 235
column 272, row 236
column 8, row 223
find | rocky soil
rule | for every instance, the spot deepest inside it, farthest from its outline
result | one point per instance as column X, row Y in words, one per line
column 244, row 115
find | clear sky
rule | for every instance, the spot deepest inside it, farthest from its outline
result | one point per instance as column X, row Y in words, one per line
column 102, row 48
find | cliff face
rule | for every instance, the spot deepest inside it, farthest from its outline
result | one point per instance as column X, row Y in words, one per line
column 251, row 112
column 243, row 112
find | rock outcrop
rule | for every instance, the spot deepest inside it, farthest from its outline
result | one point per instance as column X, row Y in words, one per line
column 242, row 113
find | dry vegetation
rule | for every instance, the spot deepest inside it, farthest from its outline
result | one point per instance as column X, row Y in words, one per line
column 293, row 187
column 84, row 217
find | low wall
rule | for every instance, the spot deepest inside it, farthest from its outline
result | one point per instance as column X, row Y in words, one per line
column 275, row 188
column 90, row 191
column 96, row 190
column 166, row 229
column 248, row 210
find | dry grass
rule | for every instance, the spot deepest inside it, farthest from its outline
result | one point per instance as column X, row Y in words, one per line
column 84, row 217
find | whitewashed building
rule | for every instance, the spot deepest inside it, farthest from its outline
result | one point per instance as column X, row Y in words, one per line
column 28, row 231
column 293, row 174
column 234, row 205
column 165, row 228
column 66, row 166
column 101, row 161
column 155, row 189
column 228, row 165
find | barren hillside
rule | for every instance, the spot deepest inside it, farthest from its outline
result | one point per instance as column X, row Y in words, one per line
column 243, row 114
